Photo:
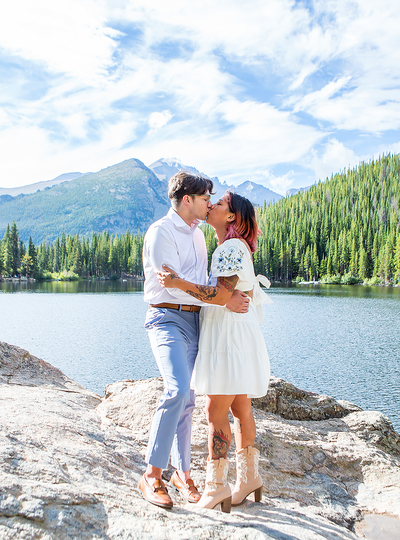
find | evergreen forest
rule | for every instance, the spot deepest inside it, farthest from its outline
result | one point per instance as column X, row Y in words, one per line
column 71, row 257
column 343, row 230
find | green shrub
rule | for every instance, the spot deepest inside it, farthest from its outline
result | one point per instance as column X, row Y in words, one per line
column 43, row 276
column 349, row 279
column 372, row 282
column 66, row 276
column 331, row 280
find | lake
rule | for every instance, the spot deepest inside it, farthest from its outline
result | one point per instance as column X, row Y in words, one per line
column 343, row 341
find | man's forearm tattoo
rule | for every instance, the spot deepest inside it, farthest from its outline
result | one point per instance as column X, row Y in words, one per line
column 203, row 292
column 207, row 293
column 220, row 444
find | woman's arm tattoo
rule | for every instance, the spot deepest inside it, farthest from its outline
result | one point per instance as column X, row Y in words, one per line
column 220, row 444
column 228, row 282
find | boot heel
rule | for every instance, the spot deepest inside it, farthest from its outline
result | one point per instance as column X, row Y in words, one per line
column 226, row 505
column 258, row 494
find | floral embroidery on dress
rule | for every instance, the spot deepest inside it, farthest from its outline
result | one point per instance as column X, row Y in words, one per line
column 230, row 260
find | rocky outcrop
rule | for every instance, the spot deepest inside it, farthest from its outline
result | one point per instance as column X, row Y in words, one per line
column 70, row 462
column 292, row 403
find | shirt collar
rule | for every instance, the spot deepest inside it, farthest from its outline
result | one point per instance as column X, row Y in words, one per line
column 178, row 221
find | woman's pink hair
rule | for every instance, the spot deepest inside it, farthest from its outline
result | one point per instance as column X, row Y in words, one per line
column 245, row 223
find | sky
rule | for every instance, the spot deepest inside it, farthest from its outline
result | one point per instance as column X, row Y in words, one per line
column 280, row 92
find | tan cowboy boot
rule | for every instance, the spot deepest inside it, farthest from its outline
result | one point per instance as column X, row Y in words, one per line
column 248, row 479
column 217, row 490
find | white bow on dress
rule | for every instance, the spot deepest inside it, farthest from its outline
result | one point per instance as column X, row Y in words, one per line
column 260, row 297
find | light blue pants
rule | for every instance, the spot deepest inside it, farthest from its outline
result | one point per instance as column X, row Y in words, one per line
column 174, row 339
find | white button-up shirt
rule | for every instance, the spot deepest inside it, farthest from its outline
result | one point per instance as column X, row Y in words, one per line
column 182, row 247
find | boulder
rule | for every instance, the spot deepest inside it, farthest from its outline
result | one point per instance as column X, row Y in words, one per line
column 70, row 462
column 293, row 403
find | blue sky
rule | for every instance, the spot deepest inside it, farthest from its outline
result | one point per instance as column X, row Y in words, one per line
column 280, row 92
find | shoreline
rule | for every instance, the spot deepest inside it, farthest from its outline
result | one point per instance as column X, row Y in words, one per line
column 364, row 283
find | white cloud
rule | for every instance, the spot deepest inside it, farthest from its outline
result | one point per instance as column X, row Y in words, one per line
column 336, row 157
column 94, row 98
column 257, row 137
column 279, row 184
column 264, row 135
column 158, row 119
column 312, row 99
column 33, row 157
column 283, row 183
column 363, row 39
column 392, row 148
column 248, row 33
column 63, row 37
column 372, row 110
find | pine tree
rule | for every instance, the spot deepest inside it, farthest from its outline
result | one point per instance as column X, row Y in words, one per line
column 396, row 260
column 15, row 253
column 7, row 253
column 33, row 258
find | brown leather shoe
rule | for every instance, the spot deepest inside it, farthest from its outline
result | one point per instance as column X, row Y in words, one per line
column 187, row 489
column 155, row 493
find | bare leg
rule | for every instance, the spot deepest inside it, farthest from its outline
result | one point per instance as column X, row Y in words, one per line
column 245, row 426
column 155, row 473
column 219, row 431
column 184, row 475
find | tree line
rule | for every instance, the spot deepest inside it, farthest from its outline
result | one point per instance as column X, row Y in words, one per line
column 71, row 257
column 343, row 230
column 346, row 229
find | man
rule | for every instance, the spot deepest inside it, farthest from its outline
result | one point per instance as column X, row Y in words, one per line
column 172, row 324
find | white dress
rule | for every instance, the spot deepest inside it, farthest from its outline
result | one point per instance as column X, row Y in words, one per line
column 233, row 357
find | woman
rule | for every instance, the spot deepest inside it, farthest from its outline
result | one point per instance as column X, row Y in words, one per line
column 232, row 364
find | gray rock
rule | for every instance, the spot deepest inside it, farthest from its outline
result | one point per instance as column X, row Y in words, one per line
column 292, row 403
column 70, row 462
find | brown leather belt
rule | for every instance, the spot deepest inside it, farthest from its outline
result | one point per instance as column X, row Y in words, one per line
column 177, row 307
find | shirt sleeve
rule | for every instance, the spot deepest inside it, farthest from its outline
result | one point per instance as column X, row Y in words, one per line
column 229, row 259
column 162, row 249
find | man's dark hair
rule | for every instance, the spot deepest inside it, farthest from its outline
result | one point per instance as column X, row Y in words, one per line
column 184, row 183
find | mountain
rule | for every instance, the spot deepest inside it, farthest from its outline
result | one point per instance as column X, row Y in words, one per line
column 166, row 167
column 126, row 195
column 38, row 186
column 257, row 193
column 295, row 191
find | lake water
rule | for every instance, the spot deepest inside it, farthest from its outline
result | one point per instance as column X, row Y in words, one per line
column 343, row 341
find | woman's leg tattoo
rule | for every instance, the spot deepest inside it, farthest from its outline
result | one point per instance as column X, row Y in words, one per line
column 220, row 444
